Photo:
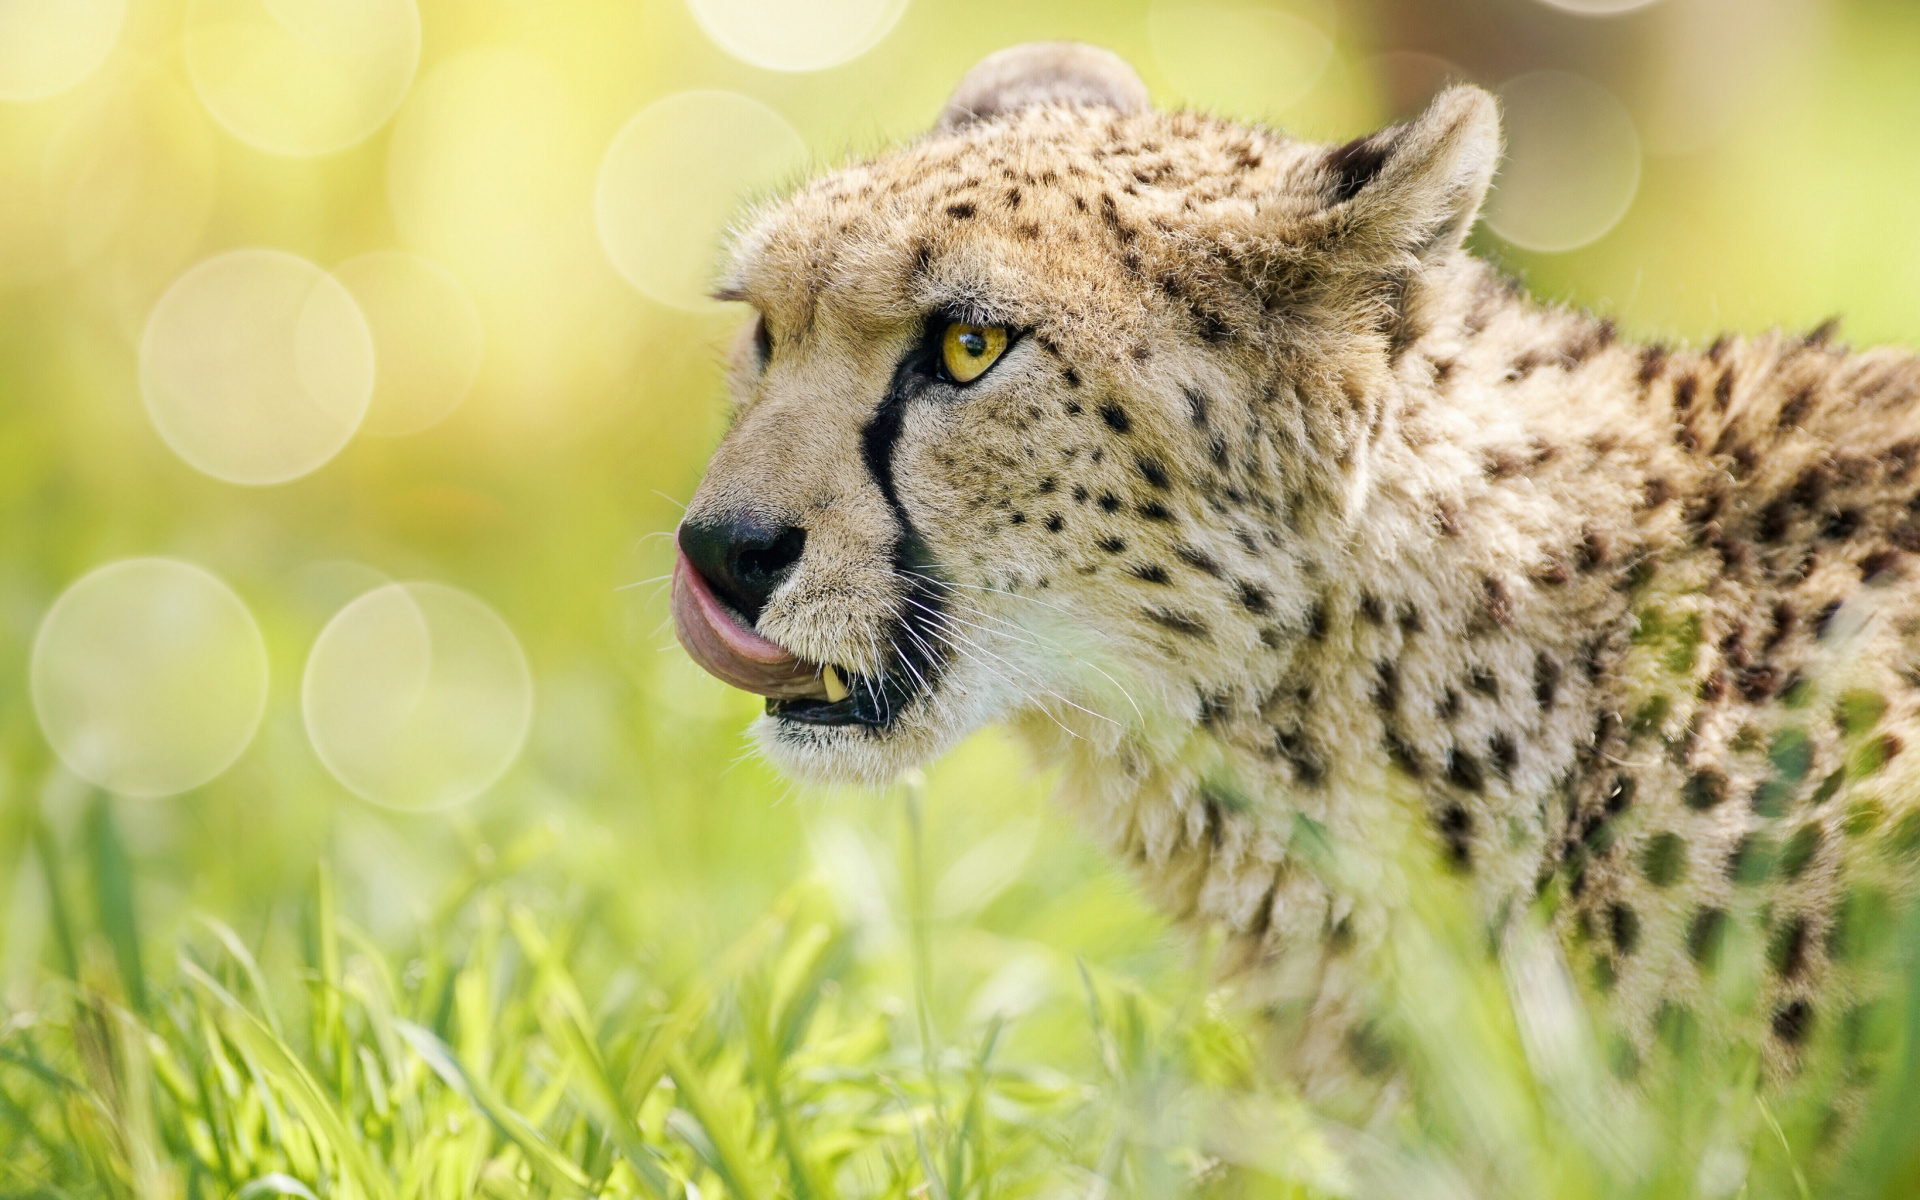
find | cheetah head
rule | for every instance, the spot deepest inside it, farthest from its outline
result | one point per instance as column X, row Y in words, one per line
column 1034, row 415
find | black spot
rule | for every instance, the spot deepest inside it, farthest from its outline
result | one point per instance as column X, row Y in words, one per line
column 1840, row 525
column 1449, row 706
column 1787, row 950
column 1150, row 573
column 1828, row 786
column 1317, row 621
column 1306, row 765
column 1795, row 409
column 1112, row 545
column 1199, row 560
column 1456, row 830
column 1704, row 935
column 1386, row 686
column 1153, row 472
column 1073, row 380
column 1653, row 362
column 1546, row 679
column 1792, row 1021
column 1369, row 1051
column 1402, row 755
column 1464, row 771
column 962, row 211
column 1372, row 609
column 1874, row 565
column 1197, row 406
column 1663, row 859
column 1055, row 523
column 1253, row 598
column 1482, row 680
column 1115, row 417
column 1018, row 518
column 1109, row 502
column 1751, row 860
column 1079, row 494
column 1704, row 790
column 1499, row 602
column 1179, row 622
column 1505, row 755
column 1620, row 794
column 1723, row 391
column 1624, row 924
column 1153, row 510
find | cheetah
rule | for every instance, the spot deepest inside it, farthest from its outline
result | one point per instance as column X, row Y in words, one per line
column 1213, row 464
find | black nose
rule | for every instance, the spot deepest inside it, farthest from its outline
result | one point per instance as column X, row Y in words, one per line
column 742, row 560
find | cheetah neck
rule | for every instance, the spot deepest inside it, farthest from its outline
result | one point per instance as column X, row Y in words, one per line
column 1454, row 645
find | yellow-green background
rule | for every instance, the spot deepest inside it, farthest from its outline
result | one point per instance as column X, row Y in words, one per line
column 636, row 819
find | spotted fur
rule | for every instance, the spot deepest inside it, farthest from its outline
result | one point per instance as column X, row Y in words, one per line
column 1285, row 514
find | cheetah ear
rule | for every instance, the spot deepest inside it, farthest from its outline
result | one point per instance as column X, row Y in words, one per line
column 1038, row 73
column 1417, row 188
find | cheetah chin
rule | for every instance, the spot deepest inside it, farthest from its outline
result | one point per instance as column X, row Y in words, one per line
column 1212, row 463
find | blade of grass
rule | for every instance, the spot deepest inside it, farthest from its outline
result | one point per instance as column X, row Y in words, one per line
column 548, row 1163
column 303, row 1092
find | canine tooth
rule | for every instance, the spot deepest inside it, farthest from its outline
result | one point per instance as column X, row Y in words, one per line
column 836, row 686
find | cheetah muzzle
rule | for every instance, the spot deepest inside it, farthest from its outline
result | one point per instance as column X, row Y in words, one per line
column 1211, row 463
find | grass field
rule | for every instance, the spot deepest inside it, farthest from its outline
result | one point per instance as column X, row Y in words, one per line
column 637, row 962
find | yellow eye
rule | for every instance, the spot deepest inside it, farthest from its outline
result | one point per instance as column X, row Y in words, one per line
column 968, row 350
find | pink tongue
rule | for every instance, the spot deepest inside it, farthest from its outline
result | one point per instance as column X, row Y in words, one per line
column 730, row 651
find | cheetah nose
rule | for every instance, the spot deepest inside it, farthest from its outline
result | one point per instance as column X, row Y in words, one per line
column 742, row 560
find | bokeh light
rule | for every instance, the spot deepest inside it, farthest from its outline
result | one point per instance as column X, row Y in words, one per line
column 1598, row 8
column 48, row 46
column 256, row 366
column 664, row 196
column 797, row 35
column 302, row 77
column 1239, row 59
column 129, row 182
column 1572, row 165
column 417, row 696
column 427, row 338
column 1409, row 79
column 490, row 170
column 149, row 677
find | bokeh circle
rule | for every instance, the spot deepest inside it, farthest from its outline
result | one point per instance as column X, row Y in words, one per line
column 427, row 338
column 1239, row 59
column 1572, row 165
column 797, row 35
column 256, row 366
column 1598, row 8
column 664, row 196
column 48, row 46
column 417, row 696
column 302, row 77
column 149, row 677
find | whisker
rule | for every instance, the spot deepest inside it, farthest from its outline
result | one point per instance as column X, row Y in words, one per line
column 625, row 587
column 976, row 649
column 1036, row 638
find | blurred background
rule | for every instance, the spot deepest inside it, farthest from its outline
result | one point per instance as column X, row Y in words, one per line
column 355, row 361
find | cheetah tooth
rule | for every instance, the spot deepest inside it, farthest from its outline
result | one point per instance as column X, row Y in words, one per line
column 836, row 686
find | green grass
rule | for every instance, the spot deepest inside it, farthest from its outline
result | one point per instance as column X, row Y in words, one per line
column 806, row 1059
column 814, row 1056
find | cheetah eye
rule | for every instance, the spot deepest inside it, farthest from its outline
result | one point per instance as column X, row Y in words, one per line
column 966, row 351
